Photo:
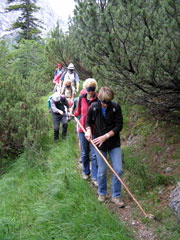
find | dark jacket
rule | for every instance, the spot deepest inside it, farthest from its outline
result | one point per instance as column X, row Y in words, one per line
column 101, row 125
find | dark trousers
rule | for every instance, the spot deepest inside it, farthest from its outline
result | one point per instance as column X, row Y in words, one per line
column 57, row 118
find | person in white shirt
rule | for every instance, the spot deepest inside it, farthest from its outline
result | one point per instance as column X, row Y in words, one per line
column 72, row 76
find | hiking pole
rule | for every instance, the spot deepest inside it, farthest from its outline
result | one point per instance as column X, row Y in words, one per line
column 134, row 199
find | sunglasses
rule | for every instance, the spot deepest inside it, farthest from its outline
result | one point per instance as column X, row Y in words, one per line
column 90, row 89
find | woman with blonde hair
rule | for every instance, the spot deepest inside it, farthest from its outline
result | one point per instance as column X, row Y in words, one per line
column 105, row 120
column 85, row 101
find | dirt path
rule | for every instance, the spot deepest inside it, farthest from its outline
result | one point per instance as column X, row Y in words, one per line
column 141, row 231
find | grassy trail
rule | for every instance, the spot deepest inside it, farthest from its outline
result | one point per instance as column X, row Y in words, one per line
column 46, row 199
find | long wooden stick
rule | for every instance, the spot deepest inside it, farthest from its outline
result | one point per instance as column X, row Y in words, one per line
column 124, row 185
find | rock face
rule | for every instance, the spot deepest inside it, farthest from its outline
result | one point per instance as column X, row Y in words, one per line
column 45, row 14
column 174, row 202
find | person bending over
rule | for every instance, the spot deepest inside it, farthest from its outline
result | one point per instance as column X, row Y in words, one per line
column 58, row 105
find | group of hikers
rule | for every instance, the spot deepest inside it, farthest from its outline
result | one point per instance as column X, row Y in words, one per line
column 100, row 117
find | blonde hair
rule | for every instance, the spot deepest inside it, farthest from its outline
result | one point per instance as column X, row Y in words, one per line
column 90, row 82
column 106, row 94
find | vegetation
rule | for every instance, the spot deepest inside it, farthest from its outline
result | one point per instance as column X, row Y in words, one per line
column 151, row 168
column 132, row 46
column 25, row 75
column 47, row 198
column 26, row 22
column 129, row 45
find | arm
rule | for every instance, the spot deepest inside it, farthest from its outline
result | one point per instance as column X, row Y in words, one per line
column 118, row 120
column 77, row 86
column 99, row 140
column 88, row 134
column 77, row 82
column 55, row 109
column 78, row 110
column 89, row 122
column 56, row 79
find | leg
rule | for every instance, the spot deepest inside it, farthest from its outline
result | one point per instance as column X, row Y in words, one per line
column 115, row 156
column 84, row 153
column 101, row 176
column 64, row 125
column 94, row 166
column 56, row 122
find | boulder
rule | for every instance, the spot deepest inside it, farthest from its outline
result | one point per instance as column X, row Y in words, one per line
column 174, row 202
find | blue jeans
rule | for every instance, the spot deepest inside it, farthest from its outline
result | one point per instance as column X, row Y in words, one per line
column 85, row 148
column 116, row 160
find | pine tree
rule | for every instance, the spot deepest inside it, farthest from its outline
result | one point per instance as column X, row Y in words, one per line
column 134, row 47
column 28, row 24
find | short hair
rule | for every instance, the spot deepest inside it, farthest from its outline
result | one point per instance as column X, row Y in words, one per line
column 106, row 94
column 67, row 81
column 90, row 82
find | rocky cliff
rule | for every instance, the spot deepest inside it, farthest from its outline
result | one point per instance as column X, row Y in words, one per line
column 46, row 15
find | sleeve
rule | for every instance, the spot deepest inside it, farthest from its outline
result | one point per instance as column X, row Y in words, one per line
column 89, row 121
column 53, row 107
column 76, row 77
column 118, row 120
column 78, row 110
column 62, row 76
column 56, row 79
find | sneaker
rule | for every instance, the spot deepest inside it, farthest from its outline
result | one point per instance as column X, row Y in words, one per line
column 117, row 201
column 101, row 198
column 85, row 177
column 95, row 183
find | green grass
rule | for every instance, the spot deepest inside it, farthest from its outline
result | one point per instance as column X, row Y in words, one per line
column 46, row 199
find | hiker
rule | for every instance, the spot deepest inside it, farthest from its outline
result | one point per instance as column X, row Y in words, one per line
column 71, row 75
column 58, row 73
column 58, row 69
column 69, row 92
column 58, row 103
column 105, row 119
column 84, row 103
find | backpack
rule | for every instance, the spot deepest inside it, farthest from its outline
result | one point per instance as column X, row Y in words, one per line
column 49, row 102
column 64, row 73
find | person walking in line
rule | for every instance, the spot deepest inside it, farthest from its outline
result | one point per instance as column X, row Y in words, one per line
column 71, row 75
column 58, row 73
column 69, row 92
column 58, row 104
column 84, row 103
column 59, row 69
column 105, row 117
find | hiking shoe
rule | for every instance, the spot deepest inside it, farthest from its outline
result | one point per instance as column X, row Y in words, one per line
column 85, row 177
column 101, row 198
column 117, row 201
column 95, row 183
